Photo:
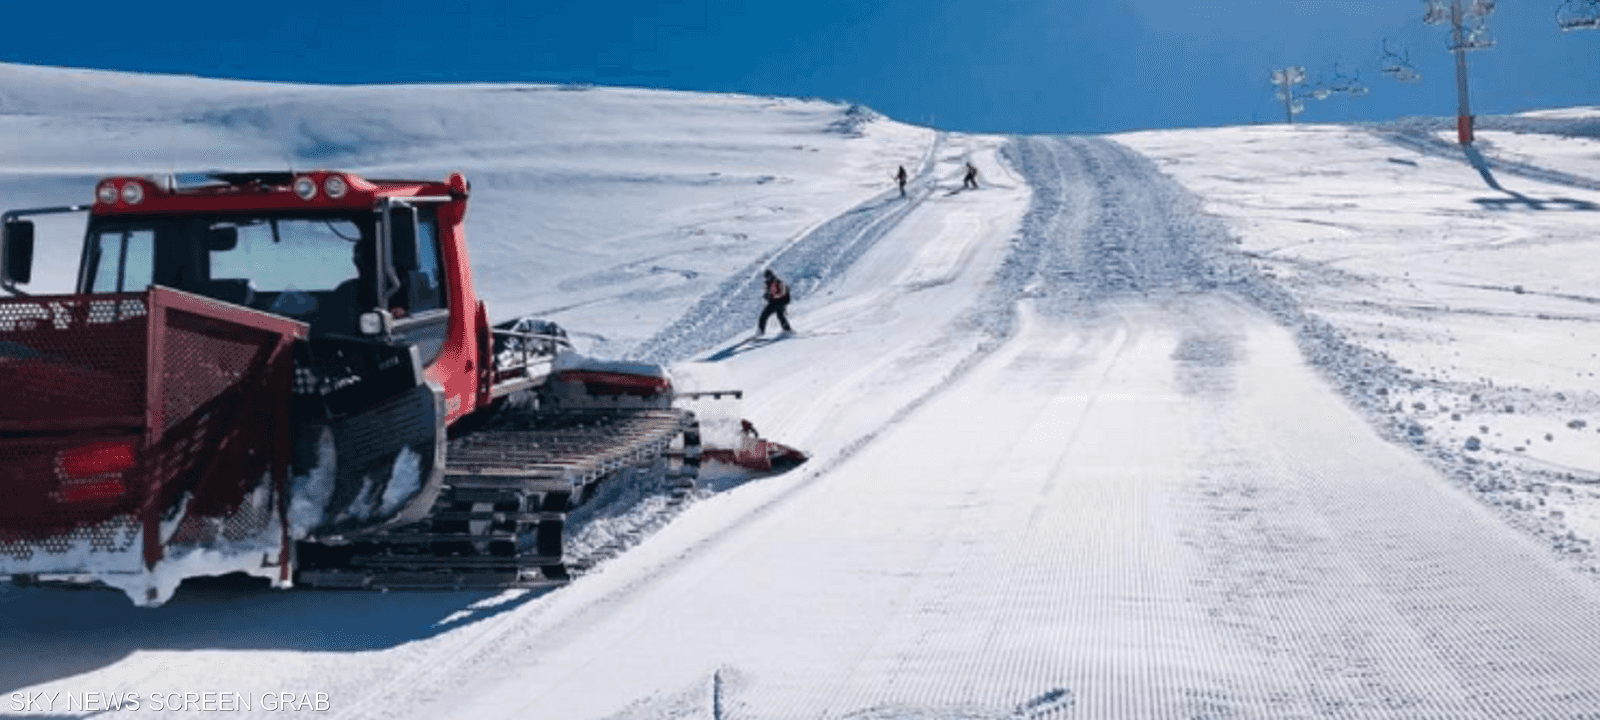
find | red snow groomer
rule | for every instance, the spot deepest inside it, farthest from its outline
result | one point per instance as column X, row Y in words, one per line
column 291, row 375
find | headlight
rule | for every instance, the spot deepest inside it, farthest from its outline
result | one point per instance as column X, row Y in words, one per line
column 106, row 194
column 305, row 187
column 132, row 193
column 334, row 186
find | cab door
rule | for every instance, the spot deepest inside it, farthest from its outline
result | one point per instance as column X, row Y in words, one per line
column 419, row 303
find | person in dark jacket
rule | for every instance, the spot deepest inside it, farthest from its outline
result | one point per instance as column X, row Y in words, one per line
column 352, row 297
column 777, row 295
column 971, row 179
column 900, row 177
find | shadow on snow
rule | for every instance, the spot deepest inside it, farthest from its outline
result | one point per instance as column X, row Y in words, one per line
column 70, row 631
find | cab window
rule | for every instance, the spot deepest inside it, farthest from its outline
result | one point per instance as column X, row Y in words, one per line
column 121, row 260
column 279, row 254
column 426, row 284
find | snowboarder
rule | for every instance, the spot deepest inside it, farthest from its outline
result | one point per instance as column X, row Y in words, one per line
column 971, row 180
column 777, row 299
column 900, row 178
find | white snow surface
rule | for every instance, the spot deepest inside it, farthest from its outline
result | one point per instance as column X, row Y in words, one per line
column 1256, row 422
column 312, row 491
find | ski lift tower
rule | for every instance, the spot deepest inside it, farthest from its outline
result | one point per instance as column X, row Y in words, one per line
column 1288, row 79
column 1467, row 32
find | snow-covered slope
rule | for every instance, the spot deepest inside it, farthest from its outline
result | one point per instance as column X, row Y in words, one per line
column 610, row 210
column 1089, row 441
column 1471, row 306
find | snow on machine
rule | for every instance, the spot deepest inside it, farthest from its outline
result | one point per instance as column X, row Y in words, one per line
column 291, row 375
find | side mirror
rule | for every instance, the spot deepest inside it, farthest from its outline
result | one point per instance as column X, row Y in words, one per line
column 403, row 239
column 377, row 322
column 222, row 239
column 16, row 252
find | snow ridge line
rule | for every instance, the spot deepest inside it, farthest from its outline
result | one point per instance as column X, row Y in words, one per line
column 1077, row 277
column 1212, row 261
column 808, row 263
column 1149, row 238
column 1207, row 259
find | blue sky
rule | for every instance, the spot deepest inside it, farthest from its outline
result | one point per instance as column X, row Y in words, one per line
column 972, row 65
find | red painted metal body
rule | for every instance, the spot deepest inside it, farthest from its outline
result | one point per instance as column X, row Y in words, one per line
column 151, row 436
column 124, row 406
column 755, row 453
column 603, row 383
column 146, row 425
column 462, row 368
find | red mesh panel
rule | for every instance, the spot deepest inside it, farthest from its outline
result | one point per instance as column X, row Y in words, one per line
column 71, row 362
column 72, row 369
column 202, row 358
column 83, row 369
column 225, row 378
column 32, row 482
column 248, row 521
column 116, row 535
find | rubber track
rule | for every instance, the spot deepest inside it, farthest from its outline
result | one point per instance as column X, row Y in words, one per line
column 501, row 518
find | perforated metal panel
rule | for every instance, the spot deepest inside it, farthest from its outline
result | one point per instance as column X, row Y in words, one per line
column 202, row 358
column 70, row 361
column 72, row 370
column 225, row 376
column 248, row 522
column 199, row 389
column 117, row 535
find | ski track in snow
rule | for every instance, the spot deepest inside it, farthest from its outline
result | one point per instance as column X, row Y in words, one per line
column 807, row 264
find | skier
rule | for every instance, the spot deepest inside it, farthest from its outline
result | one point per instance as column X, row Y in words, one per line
column 777, row 296
column 971, row 180
column 900, row 177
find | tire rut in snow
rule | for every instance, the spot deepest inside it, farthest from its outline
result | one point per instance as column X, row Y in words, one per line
column 1106, row 223
column 1125, row 231
column 1144, row 235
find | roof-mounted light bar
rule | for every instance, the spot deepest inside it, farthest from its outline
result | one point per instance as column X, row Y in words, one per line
column 305, row 188
column 129, row 191
column 318, row 188
column 335, row 186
